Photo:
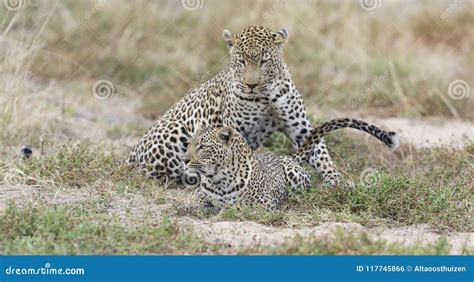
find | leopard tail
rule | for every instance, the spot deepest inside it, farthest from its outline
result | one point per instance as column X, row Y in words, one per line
column 391, row 139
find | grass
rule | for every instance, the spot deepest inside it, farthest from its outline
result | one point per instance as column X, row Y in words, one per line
column 163, row 52
column 85, row 230
column 230, row 213
column 431, row 187
column 396, row 201
column 78, row 165
column 73, row 230
column 412, row 186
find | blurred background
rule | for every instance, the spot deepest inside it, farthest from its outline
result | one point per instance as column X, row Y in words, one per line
column 106, row 69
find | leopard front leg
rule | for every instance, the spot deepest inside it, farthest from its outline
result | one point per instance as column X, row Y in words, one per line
column 323, row 163
column 294, row 123
column 296, row 175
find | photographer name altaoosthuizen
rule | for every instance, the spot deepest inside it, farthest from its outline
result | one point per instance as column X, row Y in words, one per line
column 409, row 268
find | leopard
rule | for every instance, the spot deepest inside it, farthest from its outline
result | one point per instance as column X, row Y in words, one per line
column 255, row 95
column 231, row 173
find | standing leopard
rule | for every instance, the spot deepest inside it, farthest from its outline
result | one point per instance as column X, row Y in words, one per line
column 255, row 95
column 231, row 172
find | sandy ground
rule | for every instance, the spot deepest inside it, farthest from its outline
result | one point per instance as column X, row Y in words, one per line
column 92, row 118
column 246, row 233
column 430, row 132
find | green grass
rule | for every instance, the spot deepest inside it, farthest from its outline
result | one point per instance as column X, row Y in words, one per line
column 251, row 213
column 425, row 186
column 396, row 201
column 241, row 212
column 74, row 230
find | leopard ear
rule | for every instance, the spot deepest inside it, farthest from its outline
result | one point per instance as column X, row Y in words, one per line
column 280, row 37
column 228, row 38
column 226, row 134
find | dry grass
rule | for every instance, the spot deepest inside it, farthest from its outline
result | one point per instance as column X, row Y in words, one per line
column 155, row 51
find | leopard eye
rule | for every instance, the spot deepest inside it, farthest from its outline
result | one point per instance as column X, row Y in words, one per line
column 263, row 61
column 242, row 62
column 203, row 146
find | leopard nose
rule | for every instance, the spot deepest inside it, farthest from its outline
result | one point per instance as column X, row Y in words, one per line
column 252, row 86
column 186, row 161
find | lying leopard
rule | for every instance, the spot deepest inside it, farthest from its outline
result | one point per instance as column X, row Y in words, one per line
column 255, row 95
column 231, row 172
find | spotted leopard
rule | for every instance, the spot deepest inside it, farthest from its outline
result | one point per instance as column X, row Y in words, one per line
column 255, row 95
column 231, row 172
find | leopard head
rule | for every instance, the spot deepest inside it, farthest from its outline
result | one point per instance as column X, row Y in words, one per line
column 256, row 57
column 208, row 150
column 213, row 151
